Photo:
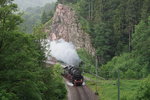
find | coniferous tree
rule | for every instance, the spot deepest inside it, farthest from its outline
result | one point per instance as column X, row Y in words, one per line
column 23, row 74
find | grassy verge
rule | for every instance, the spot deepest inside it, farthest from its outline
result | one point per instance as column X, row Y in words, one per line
column 107, row 89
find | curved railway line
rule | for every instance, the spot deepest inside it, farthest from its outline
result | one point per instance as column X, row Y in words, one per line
column 77, row 92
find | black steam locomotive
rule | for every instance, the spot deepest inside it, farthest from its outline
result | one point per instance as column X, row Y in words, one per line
column 73, row 74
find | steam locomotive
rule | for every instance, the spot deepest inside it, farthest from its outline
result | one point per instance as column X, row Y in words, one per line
column 73, row 74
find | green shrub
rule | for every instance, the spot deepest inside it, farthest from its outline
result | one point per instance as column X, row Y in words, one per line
column 130, row 67
column 84, row 24
column 144, row 90
column 7, row 96
column 129, row 74
column 88, row 60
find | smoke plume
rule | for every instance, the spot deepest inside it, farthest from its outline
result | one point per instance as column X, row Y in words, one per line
column 62, row 51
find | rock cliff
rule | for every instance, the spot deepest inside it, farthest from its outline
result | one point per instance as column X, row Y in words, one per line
column 65, row 25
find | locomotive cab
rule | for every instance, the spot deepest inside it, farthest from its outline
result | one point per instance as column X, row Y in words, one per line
column 77, row 77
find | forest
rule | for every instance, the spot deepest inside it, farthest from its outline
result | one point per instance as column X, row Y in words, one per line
column 35, row 16
column 120, row 33
column 23, row 73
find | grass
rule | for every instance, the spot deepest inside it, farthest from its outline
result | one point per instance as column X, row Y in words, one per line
column 107, row 89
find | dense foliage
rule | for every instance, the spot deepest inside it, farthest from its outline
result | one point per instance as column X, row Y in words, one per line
column 23, row 75
column 120, row 34
column 136, row 63
column 34, row 16
column 47, row 13
column 144, row 90
column 87, row 61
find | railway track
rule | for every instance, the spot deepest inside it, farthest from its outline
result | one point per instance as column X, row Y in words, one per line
column 77, row 92
column 80, row 93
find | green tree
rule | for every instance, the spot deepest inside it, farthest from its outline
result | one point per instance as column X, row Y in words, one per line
column 103, row 42
column 44, row 18
column 23, row 74
column 141, row 40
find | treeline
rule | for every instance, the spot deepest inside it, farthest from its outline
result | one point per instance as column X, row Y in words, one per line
column 34, row 16
column 23, row 74
column 134, row 64
column 120, row 34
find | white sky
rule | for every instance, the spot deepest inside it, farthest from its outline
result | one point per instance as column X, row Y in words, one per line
column 23, row 4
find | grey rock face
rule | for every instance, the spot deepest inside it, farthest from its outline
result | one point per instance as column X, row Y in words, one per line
column 65, row 25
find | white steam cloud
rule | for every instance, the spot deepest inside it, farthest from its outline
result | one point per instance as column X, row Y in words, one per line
column 62, row 51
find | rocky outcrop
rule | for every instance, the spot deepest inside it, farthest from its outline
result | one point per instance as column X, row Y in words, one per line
column 65, row 25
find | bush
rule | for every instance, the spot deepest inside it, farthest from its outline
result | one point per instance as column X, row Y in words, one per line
column 88, row 61
column 7, row 96
column 84, row 24
column 144, row 90
column 130, row 67
column 129, row 74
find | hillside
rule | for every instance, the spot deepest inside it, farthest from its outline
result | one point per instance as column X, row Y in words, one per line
column 119, row 33
column 34, row 16
column 108, row 39
column 65, row 25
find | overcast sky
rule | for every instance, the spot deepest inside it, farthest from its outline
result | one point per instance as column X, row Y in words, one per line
column 23, row 4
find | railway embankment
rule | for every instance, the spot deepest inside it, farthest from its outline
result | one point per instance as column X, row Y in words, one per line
column 107, row 89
